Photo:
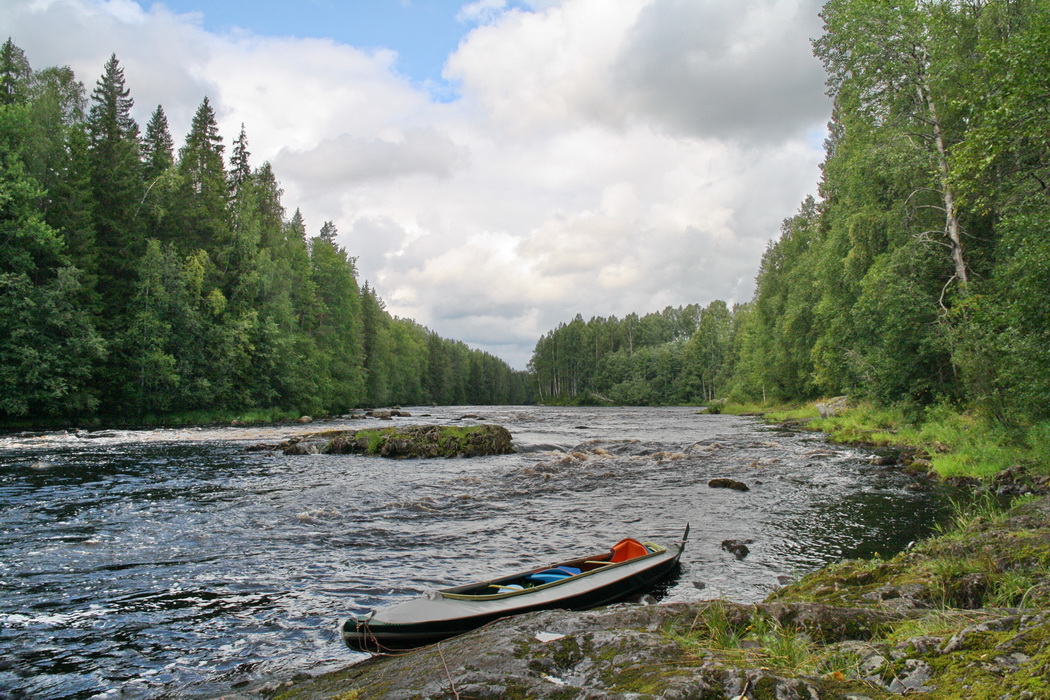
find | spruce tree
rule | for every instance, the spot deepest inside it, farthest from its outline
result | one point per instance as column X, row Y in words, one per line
column 158, row 148
column 269, row 207
column 337, row 328
column 72, row 210
column 48, row 344
column 328, row 232
column 116, row 183
column 15, row 74
column 205, row 190
column 240, row 168
column 159, row 209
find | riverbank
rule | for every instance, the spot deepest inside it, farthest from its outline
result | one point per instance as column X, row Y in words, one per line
column 966, row 613
column 946, row 442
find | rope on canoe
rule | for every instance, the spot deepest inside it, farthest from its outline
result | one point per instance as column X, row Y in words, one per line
column 369, row 640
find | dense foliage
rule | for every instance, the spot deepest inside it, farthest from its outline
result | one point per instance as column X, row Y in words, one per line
column 675, row 356
column 921, row 273
column 136, row 281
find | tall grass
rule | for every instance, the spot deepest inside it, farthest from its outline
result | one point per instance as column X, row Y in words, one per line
column 983, row 506
column 958, row 442
column 754, row 638
column 778, row 413
column 865, row 422
column 1038, row 440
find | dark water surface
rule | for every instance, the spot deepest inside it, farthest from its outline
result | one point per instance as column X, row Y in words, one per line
column 175, row 563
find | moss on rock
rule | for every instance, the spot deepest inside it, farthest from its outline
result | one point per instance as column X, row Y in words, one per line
column 405, row 442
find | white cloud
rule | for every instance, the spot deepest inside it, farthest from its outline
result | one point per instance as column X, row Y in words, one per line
column 351, row 160
column 604, row 157
column 733, row 70
column 481, row 11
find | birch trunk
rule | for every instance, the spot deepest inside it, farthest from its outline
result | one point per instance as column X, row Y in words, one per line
column 951, row 217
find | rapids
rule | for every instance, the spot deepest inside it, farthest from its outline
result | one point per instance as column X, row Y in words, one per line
column 145, row 563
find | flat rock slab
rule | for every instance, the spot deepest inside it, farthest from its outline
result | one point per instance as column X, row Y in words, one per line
column 623, row 651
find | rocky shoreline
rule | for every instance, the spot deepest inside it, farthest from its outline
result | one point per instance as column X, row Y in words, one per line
column 965, row 614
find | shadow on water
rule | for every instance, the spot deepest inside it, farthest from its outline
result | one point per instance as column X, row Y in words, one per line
column 177, row 562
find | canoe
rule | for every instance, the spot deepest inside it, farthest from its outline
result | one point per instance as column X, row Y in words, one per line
column 628, row 568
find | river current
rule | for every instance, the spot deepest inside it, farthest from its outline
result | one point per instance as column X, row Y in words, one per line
column 176, row 563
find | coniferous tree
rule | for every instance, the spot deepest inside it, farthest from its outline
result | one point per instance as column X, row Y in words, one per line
column 328, row 232
column 15, row 74
column 71, row 210
column 157, row 312
column 116, row 183
column 158, row 147
column 160, row 207
column 240, row 166
column 373, row 322
column 271, row 211
column 338, row 325
column 187, row 281
column 203, row 213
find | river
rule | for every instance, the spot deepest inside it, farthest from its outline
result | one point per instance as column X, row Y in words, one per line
column 152, row 563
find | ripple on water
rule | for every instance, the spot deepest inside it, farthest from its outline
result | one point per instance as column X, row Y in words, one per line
column 175, row 561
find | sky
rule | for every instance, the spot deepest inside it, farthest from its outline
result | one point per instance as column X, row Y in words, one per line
column 498, row 166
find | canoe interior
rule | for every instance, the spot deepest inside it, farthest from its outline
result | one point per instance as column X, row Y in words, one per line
column 528, row 581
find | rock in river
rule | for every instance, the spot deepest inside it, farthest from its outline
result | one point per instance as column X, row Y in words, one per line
column 410, row 441
column 737, row 547
column 728, row 484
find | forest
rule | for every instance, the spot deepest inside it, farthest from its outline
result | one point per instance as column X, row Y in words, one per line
column 138, row 282
column 919, row 273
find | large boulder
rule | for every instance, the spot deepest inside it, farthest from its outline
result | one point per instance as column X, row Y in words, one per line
column 833, row 407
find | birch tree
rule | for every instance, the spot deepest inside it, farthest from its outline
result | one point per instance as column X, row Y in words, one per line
column 889, row 57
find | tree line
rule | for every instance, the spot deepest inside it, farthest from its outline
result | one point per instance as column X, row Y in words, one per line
column 139, row 280
column 672, row 356
column 920, row 273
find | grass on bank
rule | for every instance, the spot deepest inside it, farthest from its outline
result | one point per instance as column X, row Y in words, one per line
column 989, row 563
column 756, row 639
column 956, row 443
